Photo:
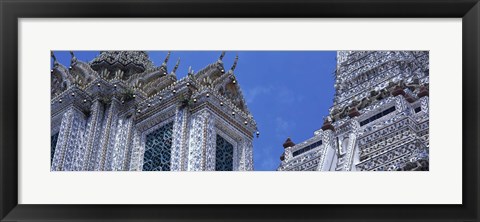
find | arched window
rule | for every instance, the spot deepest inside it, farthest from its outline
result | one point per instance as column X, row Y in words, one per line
column 223, row 155
column 158, row 149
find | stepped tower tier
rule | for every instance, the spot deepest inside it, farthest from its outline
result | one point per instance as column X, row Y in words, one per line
column 379, row 119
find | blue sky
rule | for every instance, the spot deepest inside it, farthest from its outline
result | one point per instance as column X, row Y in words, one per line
column 287, row 92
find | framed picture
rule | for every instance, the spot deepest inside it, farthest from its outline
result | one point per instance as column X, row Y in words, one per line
column 324, row 110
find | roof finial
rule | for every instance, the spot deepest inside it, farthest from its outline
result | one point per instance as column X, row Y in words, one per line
column 166, row 59
column 53, row 56
column 55, row 62
column 74, row 59
column 288, row 143
column 234, row 63
column 221, row 56
column 190, row 71
column 176, row 66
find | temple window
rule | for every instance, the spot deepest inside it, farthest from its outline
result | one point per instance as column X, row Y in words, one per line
column 223, row 155
column 307, row 148
column 158, row 149
column 378, row 116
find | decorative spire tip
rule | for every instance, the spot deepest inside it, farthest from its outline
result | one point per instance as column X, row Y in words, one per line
column 176, row 65
column 221, row 56
column 166, row 59
column 234, row 63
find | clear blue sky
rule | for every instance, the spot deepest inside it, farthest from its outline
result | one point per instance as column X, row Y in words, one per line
column 287, row 92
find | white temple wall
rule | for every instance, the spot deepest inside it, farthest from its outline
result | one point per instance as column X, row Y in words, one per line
column 333, row 165
column 69, row 140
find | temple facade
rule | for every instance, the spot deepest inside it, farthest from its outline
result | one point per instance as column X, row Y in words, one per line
column 379, row 120
column 119, row 112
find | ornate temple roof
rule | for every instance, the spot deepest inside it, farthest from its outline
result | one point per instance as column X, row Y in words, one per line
column 130, row 62
column 133, row 73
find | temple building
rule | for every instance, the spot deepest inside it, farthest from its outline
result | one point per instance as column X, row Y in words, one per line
column 119, row 112
column 379, row 120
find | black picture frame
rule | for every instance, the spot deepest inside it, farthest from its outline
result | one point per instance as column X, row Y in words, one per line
column 11, row 11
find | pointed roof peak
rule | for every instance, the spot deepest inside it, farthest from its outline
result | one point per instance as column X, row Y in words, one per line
column 73, row 60
column 55, row 61
column 176, row 65
column 221, row 56
column 234, row 64
column 166, row 59
column 190, row 70
column 288, row 143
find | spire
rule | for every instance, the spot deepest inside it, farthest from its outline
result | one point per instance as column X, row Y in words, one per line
column 234, row 63
column 166, row 59
column 74, row 59
column 55, row 62
column 221, row 56
column 176, row 66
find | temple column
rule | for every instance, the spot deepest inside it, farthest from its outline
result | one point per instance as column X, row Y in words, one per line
column 121, row 145
column 245, row 155
column 128, row 144
column 350, row 153
column 108, row 135
column 249, row 156
column 198, row 140
column 136, row 161
column 69, row 141
column 326, row 155
column 401, row 104
column 210, row 144
column 179, row 147
column 92, row 135
column 424, row 104
column 239, row 157
column 288, row 154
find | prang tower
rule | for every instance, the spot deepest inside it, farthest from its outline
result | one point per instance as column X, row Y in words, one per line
column 379, row 118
